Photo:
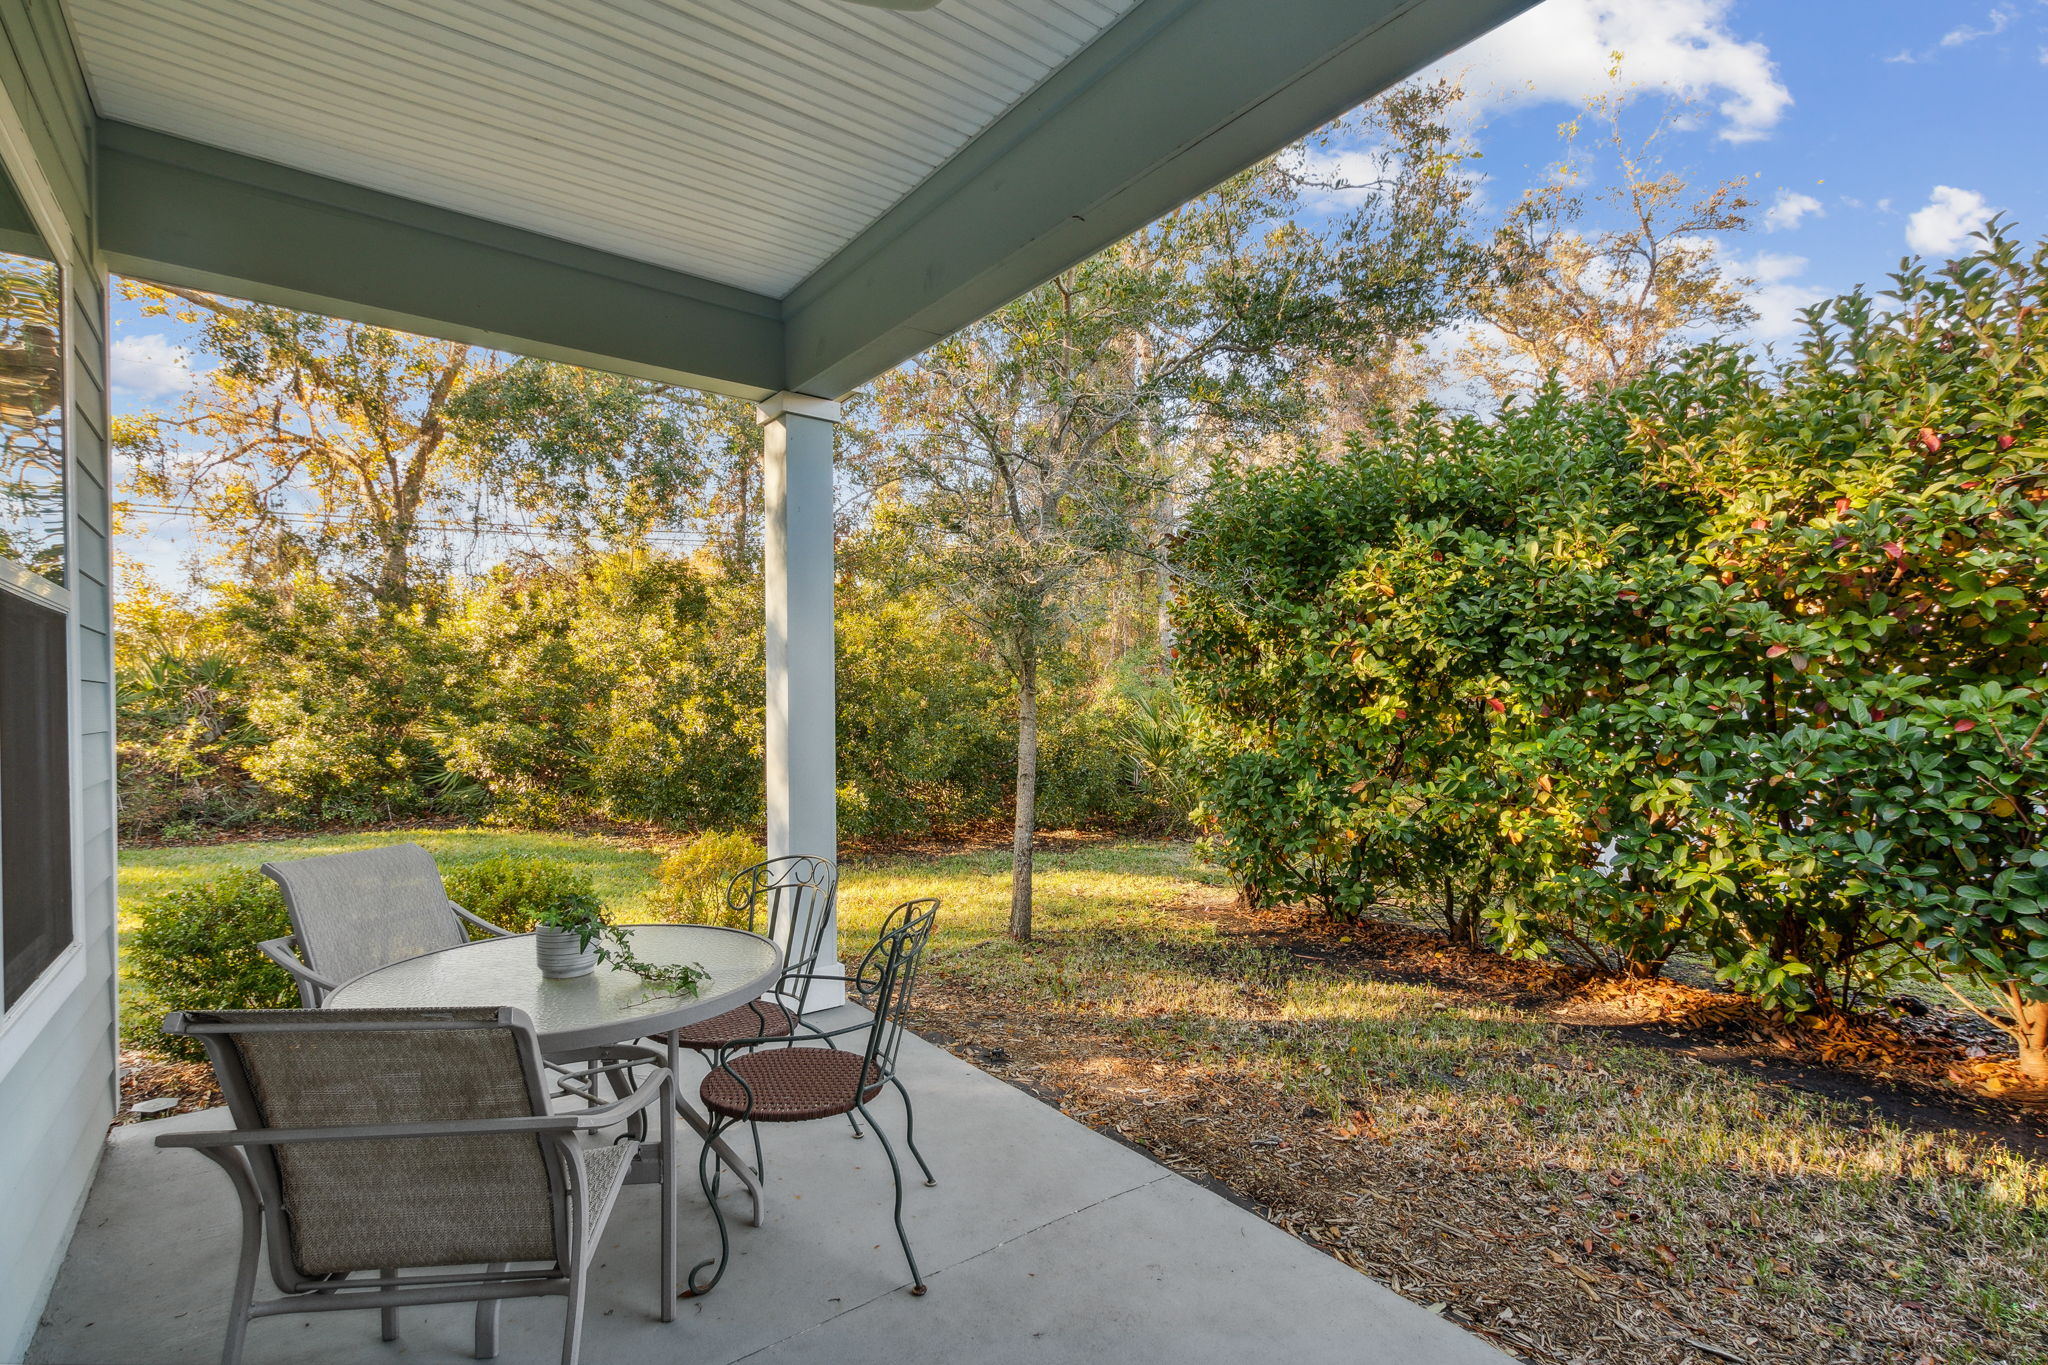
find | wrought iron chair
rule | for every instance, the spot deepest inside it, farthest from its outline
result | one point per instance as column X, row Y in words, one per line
column 367, row 1141
column 794, row 1084
column 794, row 895
column 354, row 912
column 798, row 893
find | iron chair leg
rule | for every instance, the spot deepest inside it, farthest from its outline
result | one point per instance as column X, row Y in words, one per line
column 910, row 1133
column 917, row 1285
column 707, row 1176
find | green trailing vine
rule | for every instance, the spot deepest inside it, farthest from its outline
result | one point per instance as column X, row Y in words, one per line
column 582, row 914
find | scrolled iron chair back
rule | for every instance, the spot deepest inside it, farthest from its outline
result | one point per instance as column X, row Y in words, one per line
column 795, row 896
column 887, row 977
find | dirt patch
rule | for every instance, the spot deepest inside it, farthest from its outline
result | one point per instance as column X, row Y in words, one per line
column 990, row 837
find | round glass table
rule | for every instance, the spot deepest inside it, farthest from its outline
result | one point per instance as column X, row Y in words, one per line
column 606, row 1006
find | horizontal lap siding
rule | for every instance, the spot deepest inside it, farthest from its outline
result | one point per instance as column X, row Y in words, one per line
column 57, row 1096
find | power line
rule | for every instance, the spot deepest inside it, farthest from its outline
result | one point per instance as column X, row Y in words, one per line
column 469, row 527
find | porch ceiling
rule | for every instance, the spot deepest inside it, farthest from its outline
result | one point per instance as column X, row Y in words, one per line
column 748, row 195
column 745, row 141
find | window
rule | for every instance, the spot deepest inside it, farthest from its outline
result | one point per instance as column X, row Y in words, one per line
column 35, row 791
column 35, row 712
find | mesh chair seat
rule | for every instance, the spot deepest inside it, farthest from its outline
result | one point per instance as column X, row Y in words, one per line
column 748, row 1023
column 604, row 1166
column 789, row 1085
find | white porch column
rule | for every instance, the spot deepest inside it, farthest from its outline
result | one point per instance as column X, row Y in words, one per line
column 802, row 730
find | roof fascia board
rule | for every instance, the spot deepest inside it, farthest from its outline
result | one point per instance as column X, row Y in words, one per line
column 188, row 214
column 1176, row 97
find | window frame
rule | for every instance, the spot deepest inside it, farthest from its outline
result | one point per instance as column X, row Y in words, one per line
column 23, row 1019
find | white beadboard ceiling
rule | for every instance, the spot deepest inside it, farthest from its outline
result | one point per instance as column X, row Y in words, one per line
column 745, row 141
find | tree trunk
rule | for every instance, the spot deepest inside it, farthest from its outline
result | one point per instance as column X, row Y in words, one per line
column 1164, row 576
column 2030, row 1031
column 1027, row 794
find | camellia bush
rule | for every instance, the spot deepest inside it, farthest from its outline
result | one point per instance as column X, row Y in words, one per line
column 1740, row 662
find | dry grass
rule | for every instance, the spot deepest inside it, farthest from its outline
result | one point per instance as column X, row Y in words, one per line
column 1571, row 1197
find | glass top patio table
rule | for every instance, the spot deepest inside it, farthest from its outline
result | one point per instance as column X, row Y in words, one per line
column 606, row 1006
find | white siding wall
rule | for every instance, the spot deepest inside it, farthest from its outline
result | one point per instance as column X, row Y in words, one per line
column 57, row 1095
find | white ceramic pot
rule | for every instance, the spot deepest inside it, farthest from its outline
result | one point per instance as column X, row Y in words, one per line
column 562, row 955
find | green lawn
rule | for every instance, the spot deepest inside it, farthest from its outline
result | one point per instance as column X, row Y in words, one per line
column 624, row 874
column 1578, row 1198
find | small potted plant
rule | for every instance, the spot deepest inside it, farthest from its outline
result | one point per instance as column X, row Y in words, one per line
column 569, row 935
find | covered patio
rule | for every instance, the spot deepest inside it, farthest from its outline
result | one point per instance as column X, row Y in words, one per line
column 772, row 199
column 1045, row 1241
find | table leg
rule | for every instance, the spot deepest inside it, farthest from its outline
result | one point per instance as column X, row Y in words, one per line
column 734, row 1162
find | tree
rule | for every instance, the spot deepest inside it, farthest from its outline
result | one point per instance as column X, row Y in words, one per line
column 1598, row 309
column 1030, row 445
column 363, row 454
column 314, row 443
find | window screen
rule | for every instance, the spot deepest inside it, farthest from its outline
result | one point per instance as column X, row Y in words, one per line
column 35, row 791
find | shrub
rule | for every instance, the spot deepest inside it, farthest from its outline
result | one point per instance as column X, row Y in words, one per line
column 195, row 949
column 693, row 878
column 509, row 890
column 1739, row 662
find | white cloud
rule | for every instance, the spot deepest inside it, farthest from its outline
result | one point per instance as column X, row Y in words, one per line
column 1789, row 208
column 148, row 369
column 1994, row 24
column 1777, row 294
column 1943, row 226
column 1996, row 20
column 1565, row 49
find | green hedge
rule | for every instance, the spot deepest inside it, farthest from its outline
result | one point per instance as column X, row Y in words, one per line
column 195, row 949
column 510, row 889
column 1745, row 663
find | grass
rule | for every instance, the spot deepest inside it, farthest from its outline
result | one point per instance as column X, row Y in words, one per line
column 1572, row 1197
column 624, row 873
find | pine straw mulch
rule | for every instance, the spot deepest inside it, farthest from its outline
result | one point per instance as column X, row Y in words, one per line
column 147, row 1077
column 1520, row 1240
column 1946, row 1057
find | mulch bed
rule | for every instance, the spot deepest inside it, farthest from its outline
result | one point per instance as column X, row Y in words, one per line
column 1937, row 1067
column 144, row 1077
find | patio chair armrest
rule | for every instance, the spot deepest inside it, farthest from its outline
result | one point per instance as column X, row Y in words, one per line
column 655, row 1087
column 477, row 921
column 279, row 1137
column 279, row 950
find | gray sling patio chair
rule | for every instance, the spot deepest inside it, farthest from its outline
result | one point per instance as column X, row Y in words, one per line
column 797, row 1084
column 371, row 1142
column 355, row 912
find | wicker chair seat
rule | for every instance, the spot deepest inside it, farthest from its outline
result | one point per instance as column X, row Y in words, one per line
column 789, row 1085
column 742, row 1024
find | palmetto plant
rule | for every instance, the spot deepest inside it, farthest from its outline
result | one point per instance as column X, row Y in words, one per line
column 1153, row 737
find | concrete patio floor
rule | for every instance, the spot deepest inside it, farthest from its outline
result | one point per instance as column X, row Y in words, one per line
column 1043, row 1242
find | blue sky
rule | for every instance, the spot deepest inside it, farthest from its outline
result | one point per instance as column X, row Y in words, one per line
column 1867, row 128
